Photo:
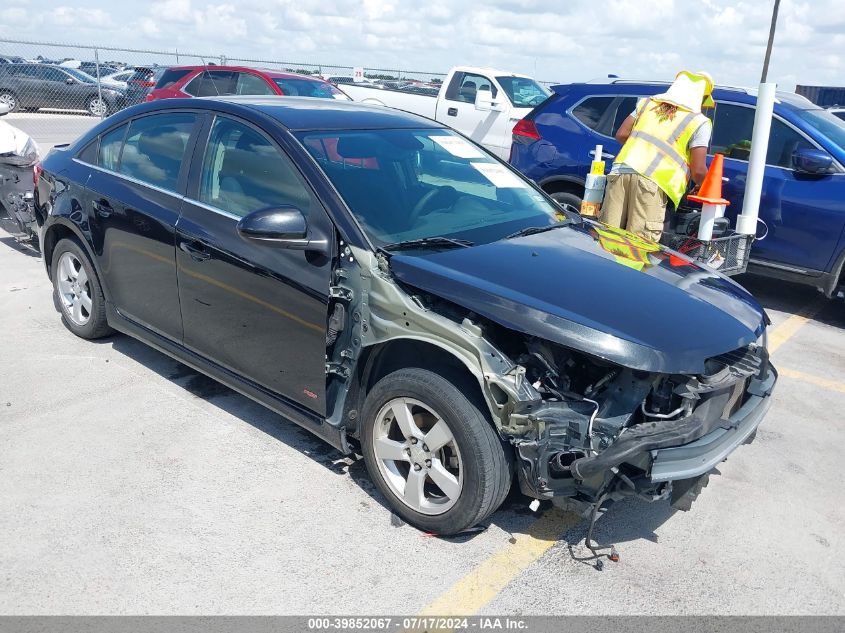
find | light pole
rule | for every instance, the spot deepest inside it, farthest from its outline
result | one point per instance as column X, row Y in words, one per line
column 746, row 222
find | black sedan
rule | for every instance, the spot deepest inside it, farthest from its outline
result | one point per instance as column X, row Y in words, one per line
column 35, row 86
column 400, row 292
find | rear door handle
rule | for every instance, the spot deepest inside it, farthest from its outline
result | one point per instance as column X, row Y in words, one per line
column 102, row 208
column 452, row 112
column 197, row 253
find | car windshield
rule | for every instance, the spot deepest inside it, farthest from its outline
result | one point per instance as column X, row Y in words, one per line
column 81, row 76
column 523, row 91
column 413, row 184
column 826, row 123
column 308, row 88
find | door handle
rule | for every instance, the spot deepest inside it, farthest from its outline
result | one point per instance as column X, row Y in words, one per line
column 452, row 112
column 604, row 155
column 197, row 253
column 102, row 208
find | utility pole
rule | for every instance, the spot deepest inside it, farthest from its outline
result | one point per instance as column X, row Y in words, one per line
column 771, row 40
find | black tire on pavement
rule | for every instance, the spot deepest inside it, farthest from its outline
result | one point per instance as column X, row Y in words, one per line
column 486, row 461
column 96, row 325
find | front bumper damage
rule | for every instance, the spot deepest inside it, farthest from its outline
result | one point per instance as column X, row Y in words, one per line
column 653, row 459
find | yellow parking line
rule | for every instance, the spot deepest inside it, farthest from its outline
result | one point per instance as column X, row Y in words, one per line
column 481, row 585
column 469, row 594
column 825, row 383
column 786, row 330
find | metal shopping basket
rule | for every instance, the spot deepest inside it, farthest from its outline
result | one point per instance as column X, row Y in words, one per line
column 728, row 254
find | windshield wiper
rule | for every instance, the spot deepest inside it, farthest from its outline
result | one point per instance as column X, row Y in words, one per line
column 531, row 230
column 427, row 242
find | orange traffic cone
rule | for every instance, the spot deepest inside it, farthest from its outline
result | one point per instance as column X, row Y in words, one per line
column 710, row 196
column 711, row 188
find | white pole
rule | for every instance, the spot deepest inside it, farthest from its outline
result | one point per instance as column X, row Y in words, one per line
column 747, row 221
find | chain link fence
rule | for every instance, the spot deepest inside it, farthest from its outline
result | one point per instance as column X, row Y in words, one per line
column 51, row 86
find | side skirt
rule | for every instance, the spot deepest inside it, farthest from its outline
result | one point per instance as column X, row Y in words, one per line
column 276, row 403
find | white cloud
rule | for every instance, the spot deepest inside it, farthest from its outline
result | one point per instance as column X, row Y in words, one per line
column 567, row 41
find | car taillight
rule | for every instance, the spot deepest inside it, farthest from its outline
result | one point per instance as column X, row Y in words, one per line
column 525, row 132
column 142, row 83
column 37, row 169
column 149, row 97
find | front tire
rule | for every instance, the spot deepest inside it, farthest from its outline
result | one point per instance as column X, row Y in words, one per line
column 97, row 106
column 432, row 452
column 77, row 292
column 9, row 99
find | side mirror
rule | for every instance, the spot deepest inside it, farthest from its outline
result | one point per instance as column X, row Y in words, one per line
column 285, row 226
column 4, row 108
column 69, row 81
column 484, row 101
column 812, row 161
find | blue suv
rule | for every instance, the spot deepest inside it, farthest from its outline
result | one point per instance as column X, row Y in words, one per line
column 803, row 200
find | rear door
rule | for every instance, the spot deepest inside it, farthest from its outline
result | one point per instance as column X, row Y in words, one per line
column 803, row 214
column 457, row 110
column 256, row 308
column 135, row 195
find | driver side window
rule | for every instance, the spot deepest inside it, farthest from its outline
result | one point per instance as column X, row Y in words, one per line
column 243, row 171
column 465, row 86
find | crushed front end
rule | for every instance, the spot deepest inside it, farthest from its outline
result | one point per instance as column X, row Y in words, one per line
column 600, row 431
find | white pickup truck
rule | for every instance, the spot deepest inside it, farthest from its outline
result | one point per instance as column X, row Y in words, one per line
column 482, row 103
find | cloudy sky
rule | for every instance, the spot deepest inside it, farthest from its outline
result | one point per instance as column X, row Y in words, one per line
column 561, row 40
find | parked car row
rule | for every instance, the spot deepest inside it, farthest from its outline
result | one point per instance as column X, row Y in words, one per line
column 802, row 211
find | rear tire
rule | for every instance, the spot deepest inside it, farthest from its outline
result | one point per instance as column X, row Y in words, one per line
column 567, row 200
column 77, row 292
column 458, row 481
column 97, row 107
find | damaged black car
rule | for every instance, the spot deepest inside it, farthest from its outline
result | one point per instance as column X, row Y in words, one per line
column 394, row 288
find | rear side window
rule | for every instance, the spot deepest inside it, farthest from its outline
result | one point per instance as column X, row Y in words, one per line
column 108, row 155
column 89, row 153
column 243, row 171
column 212, row 83
column 170, row 77
column 249, row 84
column 626, row 106
column 155, row 148
column 590, row 110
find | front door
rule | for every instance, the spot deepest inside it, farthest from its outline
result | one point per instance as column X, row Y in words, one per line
column 256, row 308
column 802, row 225
column 134, row 201
column 457, row 110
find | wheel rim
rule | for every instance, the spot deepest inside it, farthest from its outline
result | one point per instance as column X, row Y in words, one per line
column 417, row 456
column 97, row 107
column 9, row 100
column 74, row 289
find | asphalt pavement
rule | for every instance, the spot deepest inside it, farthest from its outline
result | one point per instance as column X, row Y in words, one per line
column 130, row 484
column 52, row 128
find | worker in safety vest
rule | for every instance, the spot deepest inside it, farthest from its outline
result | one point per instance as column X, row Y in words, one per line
column 664, row 143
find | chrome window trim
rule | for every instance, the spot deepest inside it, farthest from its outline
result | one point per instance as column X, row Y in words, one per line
column 810, row 140
column 178, row 196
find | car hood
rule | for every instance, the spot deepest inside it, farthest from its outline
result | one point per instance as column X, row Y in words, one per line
column 651, row 309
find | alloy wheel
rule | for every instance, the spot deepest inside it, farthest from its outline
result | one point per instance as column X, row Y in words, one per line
column 97, row 107
column 417, row 456
column 9, row 99
column 74, row 289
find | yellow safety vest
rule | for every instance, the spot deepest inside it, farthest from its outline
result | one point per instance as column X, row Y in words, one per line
column 659, row 149
column 628, row 249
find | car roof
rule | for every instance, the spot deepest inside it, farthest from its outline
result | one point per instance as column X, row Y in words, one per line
column 619, row 86
column 264, row 71
column 302, row 113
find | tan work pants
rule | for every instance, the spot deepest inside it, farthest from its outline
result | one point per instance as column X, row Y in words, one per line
column 634, row 203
